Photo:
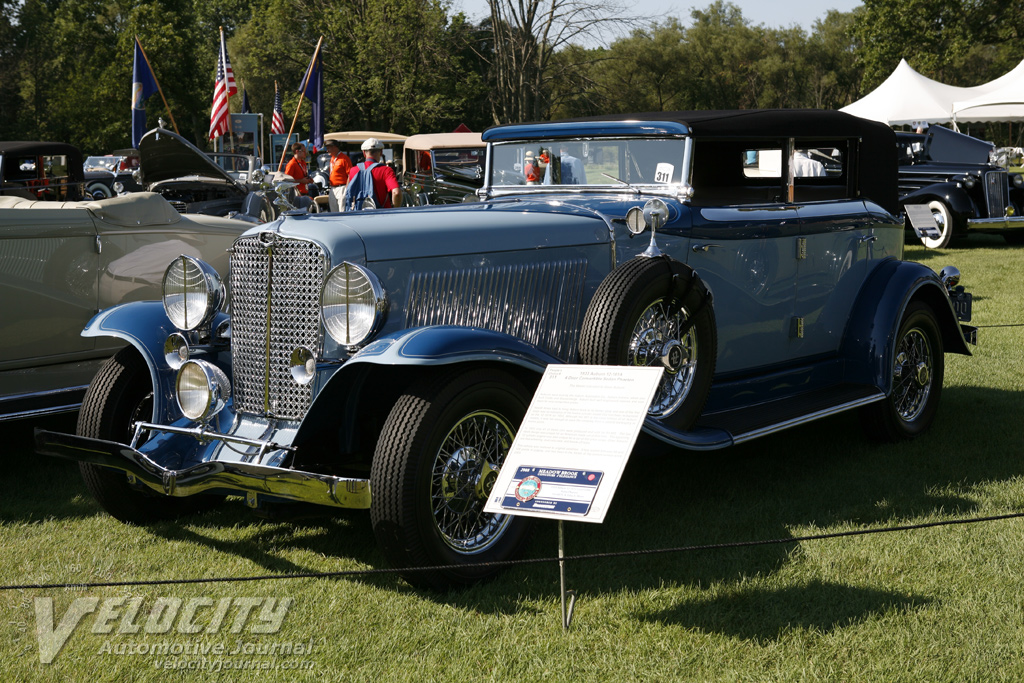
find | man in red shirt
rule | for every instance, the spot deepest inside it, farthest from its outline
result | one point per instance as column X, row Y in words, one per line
column 341, row 165
column 386, row 191
column 297, row 168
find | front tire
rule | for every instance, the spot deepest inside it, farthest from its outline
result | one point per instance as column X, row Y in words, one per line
column 99, row 191
column 918, row 368
column 944, row 222
column 437, row 458
column 120, row 395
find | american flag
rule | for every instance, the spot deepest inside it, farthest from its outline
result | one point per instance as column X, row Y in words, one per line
column 277, row 125
column 223, row 89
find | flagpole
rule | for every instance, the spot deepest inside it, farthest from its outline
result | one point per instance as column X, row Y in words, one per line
column 302, row 95
column 158, row 89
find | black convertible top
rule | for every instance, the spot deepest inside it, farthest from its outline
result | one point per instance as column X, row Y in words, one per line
column 45, row 148
column 876, row 169
column 74, row 155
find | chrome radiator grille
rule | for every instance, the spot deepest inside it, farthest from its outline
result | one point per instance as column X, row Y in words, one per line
column 275, row 306
column 539, row 303
column 995, row 193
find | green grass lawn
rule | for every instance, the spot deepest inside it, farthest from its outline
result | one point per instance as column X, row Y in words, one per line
column 940, row 604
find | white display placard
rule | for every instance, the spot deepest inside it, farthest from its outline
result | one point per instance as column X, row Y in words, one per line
column 573, row 445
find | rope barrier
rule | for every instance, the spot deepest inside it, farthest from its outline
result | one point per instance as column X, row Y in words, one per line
column 510, row 563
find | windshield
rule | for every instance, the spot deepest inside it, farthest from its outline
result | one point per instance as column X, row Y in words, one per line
column 635, row 161
column 467, row 163
column 100, row 163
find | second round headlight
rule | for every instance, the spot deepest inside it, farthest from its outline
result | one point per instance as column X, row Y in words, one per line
column 202, row 389
column 353, row 304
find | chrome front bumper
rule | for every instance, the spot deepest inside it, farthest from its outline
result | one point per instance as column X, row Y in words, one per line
column 255, row 480
column 1003, row 223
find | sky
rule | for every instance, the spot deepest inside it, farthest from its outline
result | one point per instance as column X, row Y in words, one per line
column 772, row 13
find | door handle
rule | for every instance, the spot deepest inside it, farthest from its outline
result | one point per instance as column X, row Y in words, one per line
column 697, row 248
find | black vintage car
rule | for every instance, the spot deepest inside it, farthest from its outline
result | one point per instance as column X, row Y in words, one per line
column 106, row 176
column 192, row 181
column 41, row 170
column 953, row 175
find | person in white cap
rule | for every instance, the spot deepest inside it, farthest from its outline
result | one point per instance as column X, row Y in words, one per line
column 372, row 180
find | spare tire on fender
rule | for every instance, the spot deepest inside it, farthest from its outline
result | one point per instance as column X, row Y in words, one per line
column 656, row 311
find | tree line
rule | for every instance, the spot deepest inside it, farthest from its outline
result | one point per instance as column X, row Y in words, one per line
column 415, row 66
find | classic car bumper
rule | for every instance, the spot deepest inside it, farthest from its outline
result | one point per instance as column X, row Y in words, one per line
column 256, row 480
column 1004, row 223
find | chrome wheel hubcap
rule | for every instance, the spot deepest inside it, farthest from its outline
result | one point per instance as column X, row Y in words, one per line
column 912, row 375
column 656, row 340
column 463, row 474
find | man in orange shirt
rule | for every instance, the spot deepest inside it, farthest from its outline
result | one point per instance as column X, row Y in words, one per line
column 340, row 167
column 298, row 169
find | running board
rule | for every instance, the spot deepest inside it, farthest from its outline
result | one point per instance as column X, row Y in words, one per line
column 715, row 431
column 752, row 422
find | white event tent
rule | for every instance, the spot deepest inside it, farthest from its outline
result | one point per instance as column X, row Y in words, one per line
column 906, row 98
column 998, row 100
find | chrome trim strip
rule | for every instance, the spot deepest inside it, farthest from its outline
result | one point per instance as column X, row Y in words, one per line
column 1007, row 222
column 52, row 410
column 810, row 417
column 41, row 394
column 308, row 487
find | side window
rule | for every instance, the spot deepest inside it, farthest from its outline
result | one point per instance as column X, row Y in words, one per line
column 762, row 162
column 818, row 161
column 820, row 171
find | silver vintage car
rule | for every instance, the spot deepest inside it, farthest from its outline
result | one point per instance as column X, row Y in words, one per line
column 60, row 263
column 384, row 359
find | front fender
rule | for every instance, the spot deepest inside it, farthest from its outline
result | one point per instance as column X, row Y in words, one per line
column 353, row 401
column 444, row 344
column 145, row 326
column 870, row 338
column 950, row 194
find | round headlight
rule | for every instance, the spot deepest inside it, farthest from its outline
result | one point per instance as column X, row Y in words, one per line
column 202, row 390
column 1017, row 179
column 193, row 293
column 353, row 304
column 969, row 182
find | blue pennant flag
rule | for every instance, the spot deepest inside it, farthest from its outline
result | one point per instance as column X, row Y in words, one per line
column 313, row 80
column 143, row 85
column 245, row 102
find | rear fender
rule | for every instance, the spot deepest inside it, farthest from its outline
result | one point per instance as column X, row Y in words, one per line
column 870, row 338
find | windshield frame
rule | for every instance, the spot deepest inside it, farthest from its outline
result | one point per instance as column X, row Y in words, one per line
column 681, row 189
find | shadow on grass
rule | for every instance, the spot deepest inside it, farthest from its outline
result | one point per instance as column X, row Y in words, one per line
column 809, row 480
column 917, row 252
column 761, row 614
column 816, row 477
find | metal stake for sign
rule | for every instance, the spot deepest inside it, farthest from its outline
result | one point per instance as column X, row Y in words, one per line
column 566, row 612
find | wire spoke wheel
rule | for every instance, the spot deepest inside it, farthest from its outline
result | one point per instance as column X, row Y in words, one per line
column 656, row 312
column 656, row 340
column 912, row 375
column 437, row 458
column 465, row 468
column 918, row 367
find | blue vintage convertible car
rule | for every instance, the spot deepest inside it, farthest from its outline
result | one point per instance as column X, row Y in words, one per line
column 384, row 359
